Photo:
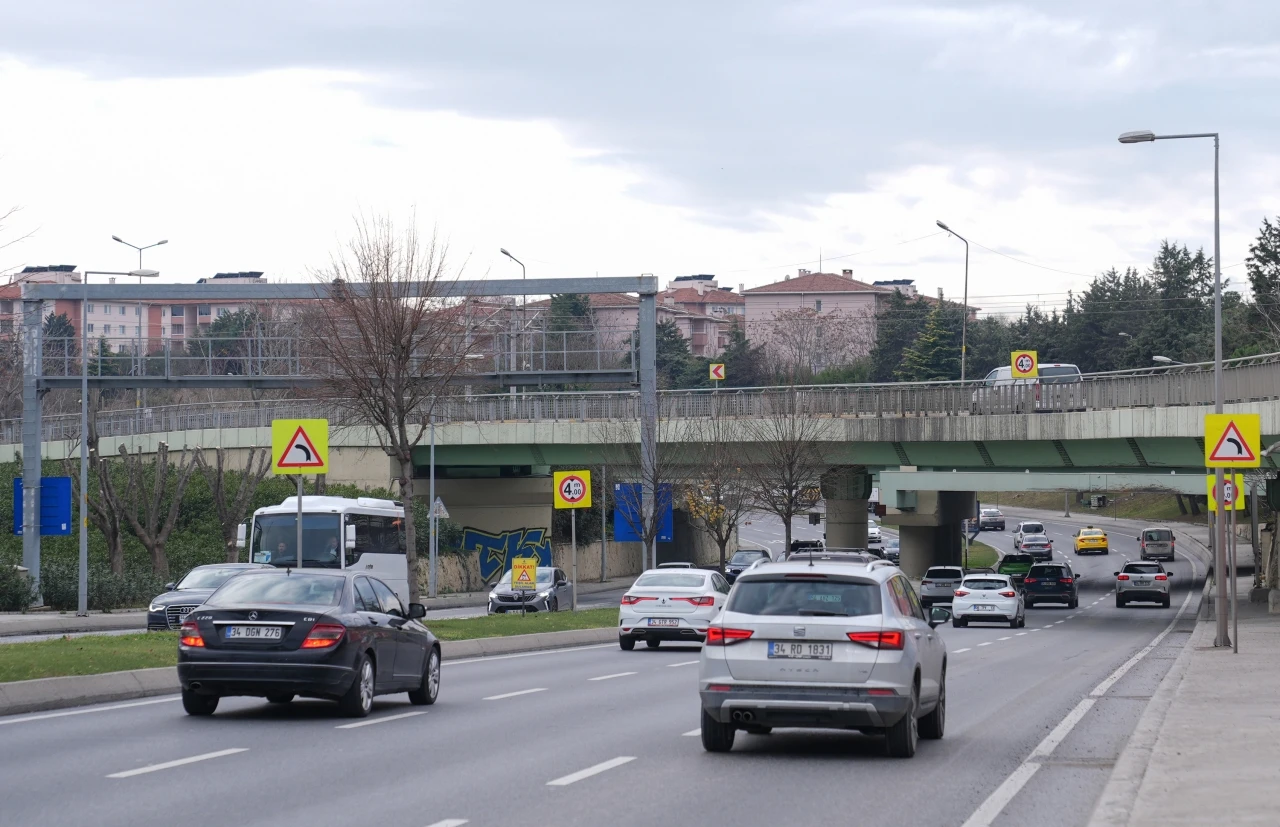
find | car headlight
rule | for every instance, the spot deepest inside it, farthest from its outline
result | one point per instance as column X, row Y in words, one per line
column 155, row 607
column 493, row 595
column 547, row 593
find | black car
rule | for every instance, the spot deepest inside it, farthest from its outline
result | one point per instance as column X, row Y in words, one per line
column 281, row 633
column 742, row 560
column 168, row 610
column 1051, row 583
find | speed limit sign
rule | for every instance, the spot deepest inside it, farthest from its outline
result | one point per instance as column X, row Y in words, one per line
column 572, row 489
column 1024, row 364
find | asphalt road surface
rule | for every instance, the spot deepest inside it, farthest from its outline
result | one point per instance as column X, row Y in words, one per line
column 596, row 736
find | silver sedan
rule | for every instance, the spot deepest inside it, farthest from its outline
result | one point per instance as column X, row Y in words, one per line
column 1138, row 582
column 552, row 592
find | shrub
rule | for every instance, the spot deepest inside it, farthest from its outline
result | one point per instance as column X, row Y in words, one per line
column 16, row 591
column 60, row 583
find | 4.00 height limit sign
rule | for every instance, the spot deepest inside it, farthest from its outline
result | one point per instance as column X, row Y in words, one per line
column 572, row 489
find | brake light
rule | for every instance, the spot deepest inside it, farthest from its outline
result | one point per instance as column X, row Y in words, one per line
column 191, row 634
column 1161, row 577
column 324, row 635
column 1030, row 580
column 719, row 687
column 1008, row 594
column 877, row 640
column 721, row 636
column 631, row 600
column 926, row 582
column 705, row 600
column 961, row 593
column 881, row 692
column 1067, row 580
column 1122, row 577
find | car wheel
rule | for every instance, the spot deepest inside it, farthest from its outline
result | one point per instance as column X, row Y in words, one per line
column 1031, row 604
column 1120, row 602
column 1013, row 624
column 357, row 702
column 901, row 738
column 1106, row 551
column 627, row 643
column 1074, row 604
column 196, row 704
column 280, row 698
column 958, row 623
column 429, row 689
column 933, row 724
column 653, row 644
column 1165, row 602
column 716, row 737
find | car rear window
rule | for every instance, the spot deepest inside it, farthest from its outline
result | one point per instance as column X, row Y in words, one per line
column 672, row 579
column 943, row 573
column 208, row 578
column 1060, row 375
column 1048, row 571
column 777, row 596
column 1142, row 568
column 990, row 512
column 1158, row 535
column 985, row 583
column 1032, row 528
column 744, row 557
column 291, row 589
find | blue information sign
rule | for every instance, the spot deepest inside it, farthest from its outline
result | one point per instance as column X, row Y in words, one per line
column 55, row 506
column 626, row 514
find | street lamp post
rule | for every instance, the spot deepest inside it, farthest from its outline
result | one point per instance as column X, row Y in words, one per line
column 137, row 399
column 1220, row 525
column 524, row 301
column 82, row 598
column 964, row 310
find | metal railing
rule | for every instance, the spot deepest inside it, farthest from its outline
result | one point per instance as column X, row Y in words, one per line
column 1252, row 379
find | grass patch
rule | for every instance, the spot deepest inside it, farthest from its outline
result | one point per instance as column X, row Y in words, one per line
column 89, row 655
column 982, row 556
column 94, row 654
column 1132, row 505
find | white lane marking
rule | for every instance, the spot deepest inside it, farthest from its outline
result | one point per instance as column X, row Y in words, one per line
column 1056, row 622
column 988, row 643
column 566, row 650
column 178, row 763
column 965, row 649
column 990, row 809
column 611, row 677
column 1050, row 626
column 691, row 733
column 603, row 766
column 515, row 694
column 1020, row 634
column 47, row 715
column 1002, row 638
column 449, row 822
column 682, row 663
column 1035, row 630
column 372, row 721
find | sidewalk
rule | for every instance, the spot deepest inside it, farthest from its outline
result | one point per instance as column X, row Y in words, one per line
column 43, row 622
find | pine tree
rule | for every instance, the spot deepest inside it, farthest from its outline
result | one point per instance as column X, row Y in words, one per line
column 935, row 354
column 898, row 324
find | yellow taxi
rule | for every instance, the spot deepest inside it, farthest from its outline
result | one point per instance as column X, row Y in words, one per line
column 1092, row 540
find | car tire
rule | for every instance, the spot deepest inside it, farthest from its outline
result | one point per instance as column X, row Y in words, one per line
column 900, row 739
column 1165, row 602
column 932, row 725
column 357, row 701
column 1106, row 551
column 280, row 698
column 429, row 689
column 1120, row 602
column 653, row 644
column 1031, row 604
column 716, row 737
column 957, row 623
column 199, row 705
column 627, row 643
column 1074, row 604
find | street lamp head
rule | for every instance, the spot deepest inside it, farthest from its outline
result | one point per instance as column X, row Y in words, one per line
column 1141, row 136
column 1164, row 360
column 503, row 250
column 943, row 226
column 158, row 243
column 145, row 274
column 118, row 238
column 1124, row 335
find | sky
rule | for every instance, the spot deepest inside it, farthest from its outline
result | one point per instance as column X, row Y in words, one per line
column 739, row 138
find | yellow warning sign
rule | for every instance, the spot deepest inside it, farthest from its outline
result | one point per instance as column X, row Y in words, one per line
column 1234, row 494
column 524, row 574
column 1232, row 440
column 717, row 371
column 300, row 446
column 571, row 489
column 1025, row 364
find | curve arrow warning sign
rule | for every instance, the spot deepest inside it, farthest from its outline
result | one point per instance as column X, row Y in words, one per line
column 1232, row 440
column 300, row 446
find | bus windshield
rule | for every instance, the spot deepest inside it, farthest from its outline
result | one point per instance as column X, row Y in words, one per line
column 275, row 540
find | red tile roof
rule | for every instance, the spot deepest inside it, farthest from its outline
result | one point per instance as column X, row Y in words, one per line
column 819, row 283
column 690, row 295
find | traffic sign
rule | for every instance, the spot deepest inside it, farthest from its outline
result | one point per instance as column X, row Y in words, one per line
column 1233, row 495
column 1025, row 364
column 300, row 446
column 524, row 574
column 1232, row 440
column 572, row 489
column 439, row 511
column 717, row 371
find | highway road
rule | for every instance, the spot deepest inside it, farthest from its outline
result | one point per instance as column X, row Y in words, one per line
column 594, row 736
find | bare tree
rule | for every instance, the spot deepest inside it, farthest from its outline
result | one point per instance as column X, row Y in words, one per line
column 233, row 506
column 720, row 491
column 801, row 342
column 104, row 510
column 788, row 461
column 389, row 342
column 152, row 514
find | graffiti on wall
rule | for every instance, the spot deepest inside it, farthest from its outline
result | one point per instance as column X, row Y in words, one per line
column 496, row 551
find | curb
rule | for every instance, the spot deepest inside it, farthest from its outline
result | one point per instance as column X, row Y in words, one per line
column 52, row 624
column 1115, row 805
column 43, row 694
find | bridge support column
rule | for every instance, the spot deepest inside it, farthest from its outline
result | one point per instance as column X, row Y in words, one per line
column 846, row 490
column 932, row 535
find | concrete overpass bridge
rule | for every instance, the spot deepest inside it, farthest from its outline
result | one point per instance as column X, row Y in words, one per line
column 927, row 446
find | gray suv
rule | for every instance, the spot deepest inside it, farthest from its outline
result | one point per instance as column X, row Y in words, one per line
column 834, row 644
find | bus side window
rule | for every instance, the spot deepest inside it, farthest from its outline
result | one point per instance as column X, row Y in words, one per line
column 361, row 522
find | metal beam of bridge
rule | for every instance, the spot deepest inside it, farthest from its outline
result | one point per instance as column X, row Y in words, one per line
column 897, row 488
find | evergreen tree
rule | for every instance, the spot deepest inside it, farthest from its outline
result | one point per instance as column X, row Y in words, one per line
column 1179, row 324
column 673, row 355
column 898, row 324
column 570, row 311
column 1263, row 268
column 744, row 365
column 935, row 354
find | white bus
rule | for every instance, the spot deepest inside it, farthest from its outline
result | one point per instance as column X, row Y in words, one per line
column 337, row 533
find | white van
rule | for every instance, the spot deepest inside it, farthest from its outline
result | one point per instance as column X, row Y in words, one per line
column 1054, row 399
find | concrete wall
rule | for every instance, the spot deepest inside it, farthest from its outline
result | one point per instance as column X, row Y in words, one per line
column 495, row 505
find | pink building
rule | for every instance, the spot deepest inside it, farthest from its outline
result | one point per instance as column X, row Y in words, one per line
column 620, row 312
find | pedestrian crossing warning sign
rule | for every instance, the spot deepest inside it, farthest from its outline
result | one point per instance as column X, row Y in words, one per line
column 1232, row 440
column 300, row 446
column 524, row 574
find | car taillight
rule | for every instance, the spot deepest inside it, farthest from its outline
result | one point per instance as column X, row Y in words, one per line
column 191, row 634
column 1122, row 577
column 631, row 600
column 1008, row 594
column 1030, row 580
column 324, row 635
column 961, row 593
column 926, row 582
column 722, row 636
column 705, row 600
column 878, row 640
column 1162, row 577
column 1067, row 580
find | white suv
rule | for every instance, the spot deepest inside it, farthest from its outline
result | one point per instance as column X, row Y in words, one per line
column 829, row 644
column 1025, row 529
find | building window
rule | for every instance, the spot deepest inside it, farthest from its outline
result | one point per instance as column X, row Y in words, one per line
column 122, row 310
column 817, row 305
column 89, row 308
column 178, row 311
column 89, row 327
column 137, row 330
column 223, row 311
column 164, row 311
column 178, row 330
column 202, row 310
column 137, row 310
column 164, row 331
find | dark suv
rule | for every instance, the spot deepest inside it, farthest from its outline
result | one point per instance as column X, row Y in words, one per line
column 1051, row 583
column 742, row 560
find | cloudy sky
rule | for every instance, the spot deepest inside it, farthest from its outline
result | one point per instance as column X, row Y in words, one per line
column 738, row 138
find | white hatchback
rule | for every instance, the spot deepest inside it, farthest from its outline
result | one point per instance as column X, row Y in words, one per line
column 988, row 598
column 671, row 605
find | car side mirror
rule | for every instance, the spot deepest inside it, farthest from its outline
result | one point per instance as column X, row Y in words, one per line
column 1117, row 574
column 938, row 616
column 417, row 610
column 349, row 538
column 562, row 583
column 170, row 586
column 241, row 532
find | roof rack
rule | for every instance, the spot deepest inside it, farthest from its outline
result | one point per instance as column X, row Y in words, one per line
column 878, row 563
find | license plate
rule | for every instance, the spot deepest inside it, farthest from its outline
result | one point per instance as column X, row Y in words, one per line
column 664, row 621
column 254, row 632
column 1143, row 582
column 985, row 608
column 800, row 651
